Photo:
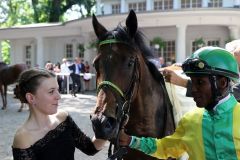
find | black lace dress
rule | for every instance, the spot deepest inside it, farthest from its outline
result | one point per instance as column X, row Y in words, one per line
column 58, row 144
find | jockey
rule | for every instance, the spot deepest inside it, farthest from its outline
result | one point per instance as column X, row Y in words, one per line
column 210, row 131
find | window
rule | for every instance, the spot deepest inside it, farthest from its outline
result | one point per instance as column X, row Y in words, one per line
column 80, row 50
column 163, row 4
column 158, row 5
column 69, row 51
column 196, row 46
column 215, row 3
column 213, row 43
column 196, row 3
column 137, row 7
column 191, row 3
column 168, row 52
column 28, row 55
column 115, row 8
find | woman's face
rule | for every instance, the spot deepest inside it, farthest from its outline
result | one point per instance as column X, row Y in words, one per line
column 47, row 96
column 201, row 90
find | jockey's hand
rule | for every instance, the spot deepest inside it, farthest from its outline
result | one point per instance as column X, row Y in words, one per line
column 171, row 77
column 124, row 139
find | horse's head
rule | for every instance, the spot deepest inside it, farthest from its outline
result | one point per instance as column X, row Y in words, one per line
column 117, row 67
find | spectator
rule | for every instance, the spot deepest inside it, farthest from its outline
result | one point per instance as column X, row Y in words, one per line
column 87, row 76
column 57, row 69
column 64, row 70
column 75, row 75
column 49, row 66
column 162, row 62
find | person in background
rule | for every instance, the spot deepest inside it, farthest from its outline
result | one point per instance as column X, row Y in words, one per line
column 210, row 131
column 49, row 66
column 87, row 76
column 82, row 65
column 64, row 70
column 75, row 75
column 48, row 133
column 57, row 69
column 162, row 62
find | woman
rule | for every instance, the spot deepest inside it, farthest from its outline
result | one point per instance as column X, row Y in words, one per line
column 47, row 134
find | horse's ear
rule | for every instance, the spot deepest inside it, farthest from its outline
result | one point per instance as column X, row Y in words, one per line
column 98, row 28
column 132, row 23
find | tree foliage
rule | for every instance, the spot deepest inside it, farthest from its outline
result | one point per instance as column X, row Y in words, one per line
column 20, row 12
column 53, row 10
column 37, row 11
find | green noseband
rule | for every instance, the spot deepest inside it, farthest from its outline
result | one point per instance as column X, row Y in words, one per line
column 108, row 83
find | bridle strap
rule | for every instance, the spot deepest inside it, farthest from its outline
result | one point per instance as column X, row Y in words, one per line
column 108, row 83
column 107, row 41
column 126, row 105
column 110, row 41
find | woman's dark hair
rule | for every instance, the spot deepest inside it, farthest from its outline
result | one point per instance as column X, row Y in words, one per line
column 29, row 82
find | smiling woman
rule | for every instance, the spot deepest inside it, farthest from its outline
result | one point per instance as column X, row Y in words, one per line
column 48, row 134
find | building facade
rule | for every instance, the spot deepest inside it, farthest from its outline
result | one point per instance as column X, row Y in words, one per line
column 181, row 26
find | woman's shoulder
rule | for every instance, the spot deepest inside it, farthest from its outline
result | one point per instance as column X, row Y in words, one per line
column 22, row 138
column 62, row 115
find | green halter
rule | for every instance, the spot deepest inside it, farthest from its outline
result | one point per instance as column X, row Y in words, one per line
column 108, row 83
column 107, row 41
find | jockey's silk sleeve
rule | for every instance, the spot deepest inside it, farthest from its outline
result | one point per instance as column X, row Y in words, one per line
column 146, row 145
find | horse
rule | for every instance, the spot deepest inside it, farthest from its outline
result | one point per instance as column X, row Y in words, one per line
column 129, row 87
column 9, row 75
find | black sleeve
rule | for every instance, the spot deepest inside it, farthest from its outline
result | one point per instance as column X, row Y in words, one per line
column 23, row 154
column 82, row 142
column 189, row 89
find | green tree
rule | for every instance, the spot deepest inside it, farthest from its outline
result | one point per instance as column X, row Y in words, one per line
column 20, row 12
column 5, row 52
column 53, row 10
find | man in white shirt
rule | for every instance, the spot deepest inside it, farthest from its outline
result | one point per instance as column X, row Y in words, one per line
column 64, row 70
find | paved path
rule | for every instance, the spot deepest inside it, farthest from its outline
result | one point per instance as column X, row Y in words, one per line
column 79, row 108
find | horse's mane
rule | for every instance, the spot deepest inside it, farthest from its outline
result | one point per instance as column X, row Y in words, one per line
column 138, row 41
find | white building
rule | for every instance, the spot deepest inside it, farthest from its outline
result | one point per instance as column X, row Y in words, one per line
column 180, row 23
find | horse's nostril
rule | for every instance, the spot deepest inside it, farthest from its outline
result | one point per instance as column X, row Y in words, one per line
column 110, row 123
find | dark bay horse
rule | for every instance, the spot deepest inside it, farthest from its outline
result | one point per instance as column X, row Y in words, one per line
column 9, row 75
column 128, row 84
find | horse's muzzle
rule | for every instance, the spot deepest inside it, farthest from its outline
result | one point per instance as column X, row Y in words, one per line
column 104, row 127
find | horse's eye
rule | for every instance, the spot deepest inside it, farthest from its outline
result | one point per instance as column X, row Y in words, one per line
column 131, row 62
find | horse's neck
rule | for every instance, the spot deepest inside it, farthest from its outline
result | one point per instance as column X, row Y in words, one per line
column 145, row 105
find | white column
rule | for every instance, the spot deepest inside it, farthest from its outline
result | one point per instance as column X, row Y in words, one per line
column 149, row 5
column 236, row 2
column 204, row 3
column 98, row 7
column 181, row 43
column 123, row 5
column 234, row 32
column 39, row 54
column 176, row 4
